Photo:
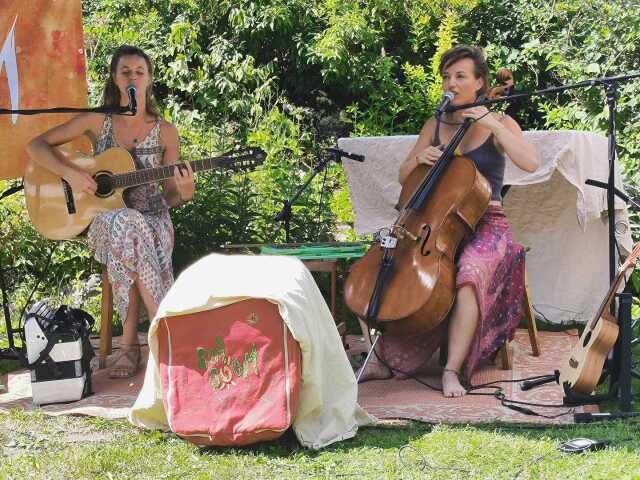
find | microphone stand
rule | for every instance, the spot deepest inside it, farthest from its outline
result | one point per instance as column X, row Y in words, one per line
column 36, row 111
column 610, row 84
column 12, row 352
column 593, row 417
column 285, row 213
column 128, row 110
column 620, row 366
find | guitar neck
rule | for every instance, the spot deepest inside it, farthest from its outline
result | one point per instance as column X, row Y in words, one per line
column 156, row 174
column 629, row 262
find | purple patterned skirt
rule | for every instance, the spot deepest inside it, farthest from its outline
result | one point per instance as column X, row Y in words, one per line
column 493, row 264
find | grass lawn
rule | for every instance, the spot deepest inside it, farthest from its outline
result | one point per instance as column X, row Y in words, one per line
column 35, row 446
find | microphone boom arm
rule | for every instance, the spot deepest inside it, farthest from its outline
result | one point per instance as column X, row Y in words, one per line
column 546, row 91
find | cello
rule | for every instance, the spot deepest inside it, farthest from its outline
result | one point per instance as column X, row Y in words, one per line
column 406, row 280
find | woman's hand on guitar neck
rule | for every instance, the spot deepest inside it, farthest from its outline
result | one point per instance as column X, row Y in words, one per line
column 183, row 175
column 80, row 181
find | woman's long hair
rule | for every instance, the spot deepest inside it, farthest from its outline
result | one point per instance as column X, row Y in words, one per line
column 111, row 94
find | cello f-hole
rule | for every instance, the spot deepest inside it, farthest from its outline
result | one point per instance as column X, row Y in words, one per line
column 426, row 233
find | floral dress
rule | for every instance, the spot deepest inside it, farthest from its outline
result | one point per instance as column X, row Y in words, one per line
column 137, row 241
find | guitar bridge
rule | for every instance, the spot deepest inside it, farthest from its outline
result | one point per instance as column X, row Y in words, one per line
column 68, row 196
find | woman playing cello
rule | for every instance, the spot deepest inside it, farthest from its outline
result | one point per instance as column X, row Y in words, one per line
column 490, row 266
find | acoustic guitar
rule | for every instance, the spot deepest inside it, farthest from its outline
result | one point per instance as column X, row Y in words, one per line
column 59, row 213
column 583, row 366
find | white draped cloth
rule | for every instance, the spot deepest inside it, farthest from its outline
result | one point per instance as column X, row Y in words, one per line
column 560, row 220
column 327, row 410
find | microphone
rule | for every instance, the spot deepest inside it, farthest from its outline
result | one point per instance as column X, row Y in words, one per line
column 444, row 103
column 133, row 104
column 341, row 153
column 529, row 384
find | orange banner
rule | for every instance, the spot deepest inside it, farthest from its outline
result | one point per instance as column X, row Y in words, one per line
column 42, row 65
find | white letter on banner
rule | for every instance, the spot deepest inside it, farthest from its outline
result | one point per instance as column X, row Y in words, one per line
column 8, row 60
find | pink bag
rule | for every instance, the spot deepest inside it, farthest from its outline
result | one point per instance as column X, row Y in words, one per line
column 230, row 376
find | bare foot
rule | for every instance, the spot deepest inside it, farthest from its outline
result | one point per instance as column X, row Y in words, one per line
column 374, row 370
column 451, row 386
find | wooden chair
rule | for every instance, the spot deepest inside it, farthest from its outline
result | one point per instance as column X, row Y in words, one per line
column 106, row 317
column 330, row 266
column 505, row 354
column 504, row 358
column 106, row 307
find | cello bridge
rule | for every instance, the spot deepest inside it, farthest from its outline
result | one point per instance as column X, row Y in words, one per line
column 389, row 236
column 401, row 232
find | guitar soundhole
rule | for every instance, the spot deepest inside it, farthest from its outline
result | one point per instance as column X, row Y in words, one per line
column 587, row 337
column 105, row 184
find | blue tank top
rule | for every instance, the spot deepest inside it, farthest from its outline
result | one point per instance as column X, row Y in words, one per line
column 488, row 160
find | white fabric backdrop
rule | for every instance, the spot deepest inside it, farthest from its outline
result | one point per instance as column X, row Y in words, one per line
column 551, row 211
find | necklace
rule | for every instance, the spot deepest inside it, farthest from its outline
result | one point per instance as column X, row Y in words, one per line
column 138, row 132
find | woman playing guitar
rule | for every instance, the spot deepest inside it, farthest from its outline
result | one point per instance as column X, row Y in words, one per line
column 135, row 243
column 490, row 266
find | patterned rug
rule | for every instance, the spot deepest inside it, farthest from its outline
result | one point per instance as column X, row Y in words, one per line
column 385, row 399
column 410, row 400
column 112, row 398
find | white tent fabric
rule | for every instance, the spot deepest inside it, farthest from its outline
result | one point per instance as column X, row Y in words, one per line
column 560, row 220
column 327, row 409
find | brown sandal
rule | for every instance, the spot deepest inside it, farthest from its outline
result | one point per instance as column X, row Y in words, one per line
column 127, row 363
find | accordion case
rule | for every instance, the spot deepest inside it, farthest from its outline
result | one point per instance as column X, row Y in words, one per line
column 60, row 376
